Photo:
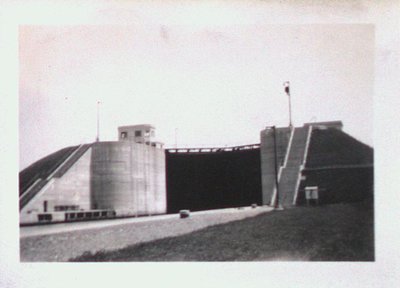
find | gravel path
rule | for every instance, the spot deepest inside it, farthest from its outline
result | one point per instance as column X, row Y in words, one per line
column 62, row 246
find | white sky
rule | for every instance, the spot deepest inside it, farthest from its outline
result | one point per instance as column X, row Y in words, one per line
column 213, row 83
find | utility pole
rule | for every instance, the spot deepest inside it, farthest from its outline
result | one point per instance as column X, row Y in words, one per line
column 287, row 90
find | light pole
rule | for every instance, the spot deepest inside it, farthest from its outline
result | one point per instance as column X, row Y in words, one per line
column 287, row 90
column 276, row 204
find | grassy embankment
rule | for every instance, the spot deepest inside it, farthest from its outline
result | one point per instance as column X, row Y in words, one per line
column 340, row 232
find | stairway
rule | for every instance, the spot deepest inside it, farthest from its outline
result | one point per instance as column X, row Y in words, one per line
column 31, row 192
column 57, row 171
column 290, row 173
column 71, row 161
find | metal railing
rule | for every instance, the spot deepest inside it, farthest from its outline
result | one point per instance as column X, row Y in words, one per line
column 213, row 149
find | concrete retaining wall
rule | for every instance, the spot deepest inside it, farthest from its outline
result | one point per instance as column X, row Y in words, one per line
column 339, row 185
column 268, row 159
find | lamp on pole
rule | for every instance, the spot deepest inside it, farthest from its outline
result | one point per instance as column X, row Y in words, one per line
column 287, row 90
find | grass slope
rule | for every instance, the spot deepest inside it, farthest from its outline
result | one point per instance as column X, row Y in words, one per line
column 340, row 232
column 333, row 147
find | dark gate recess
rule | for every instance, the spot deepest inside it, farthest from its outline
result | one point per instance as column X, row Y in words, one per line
column 218, row 178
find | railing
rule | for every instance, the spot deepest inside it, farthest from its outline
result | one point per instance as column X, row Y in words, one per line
column 27, row 191
column 43, row 168
column 214, row 149
column 33, row 190
column 71, row 160
column 89, row 215
column 296, row 191
column 351, row 166
column 58, row 171
column 62, row 164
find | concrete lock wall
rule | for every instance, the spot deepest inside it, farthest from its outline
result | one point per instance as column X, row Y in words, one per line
column 268, row 158
column 72, row 189
column 129, row 178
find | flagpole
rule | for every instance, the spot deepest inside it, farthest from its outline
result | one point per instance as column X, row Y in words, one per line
column 98, row 123
column 287, row 90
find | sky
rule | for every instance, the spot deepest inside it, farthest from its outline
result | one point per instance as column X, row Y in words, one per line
column 208, row 84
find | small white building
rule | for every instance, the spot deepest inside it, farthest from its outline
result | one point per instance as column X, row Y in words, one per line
column 143, row 133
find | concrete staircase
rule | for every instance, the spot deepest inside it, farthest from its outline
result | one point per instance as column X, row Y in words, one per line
column 71, row 161
column 288, row 181
column 31, row 192
column 57, row 171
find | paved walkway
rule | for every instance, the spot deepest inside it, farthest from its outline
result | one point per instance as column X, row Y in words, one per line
column 39, row 230
column 60, row 242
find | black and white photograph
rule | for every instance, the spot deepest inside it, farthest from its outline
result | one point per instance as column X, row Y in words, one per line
column 206, row 133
